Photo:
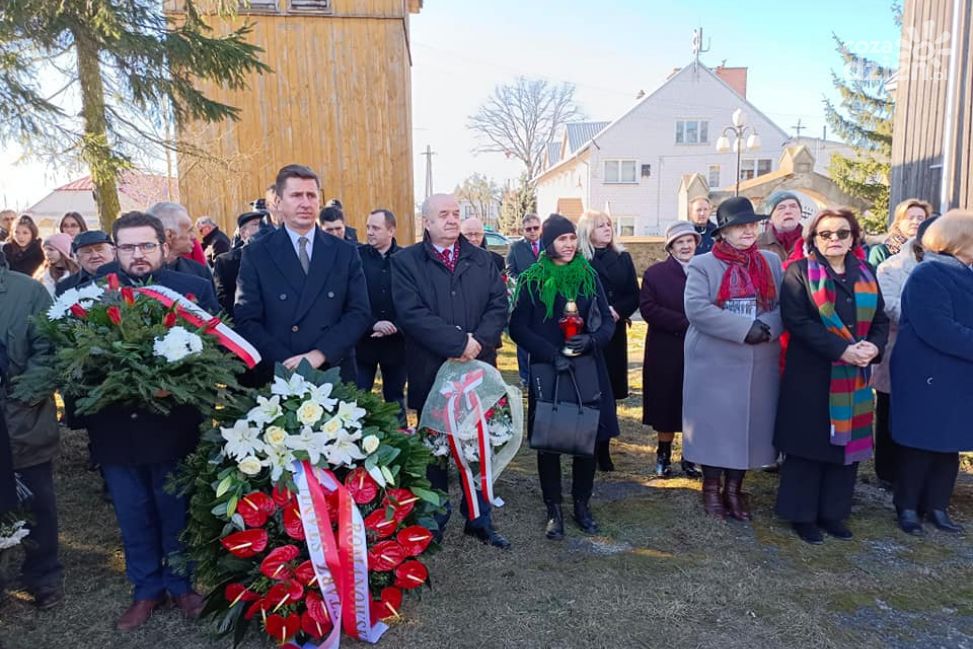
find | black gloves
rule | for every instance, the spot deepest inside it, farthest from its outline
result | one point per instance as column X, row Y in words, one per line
column 561, row 363
column 759, row 333
column 580, row 344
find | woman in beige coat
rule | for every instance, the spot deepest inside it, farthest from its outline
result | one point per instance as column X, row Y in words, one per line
column 732, row 349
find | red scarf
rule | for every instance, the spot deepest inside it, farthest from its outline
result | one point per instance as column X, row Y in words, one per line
column 787, row 239
column 748, row 275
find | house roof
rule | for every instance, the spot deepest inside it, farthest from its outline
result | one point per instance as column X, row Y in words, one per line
column 553, row 153
column 580, row 133
column 141, row 188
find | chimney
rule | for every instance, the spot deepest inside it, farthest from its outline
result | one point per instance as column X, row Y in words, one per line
column 736, row 78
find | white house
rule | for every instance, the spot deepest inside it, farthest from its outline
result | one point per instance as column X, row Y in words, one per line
column 633, row 166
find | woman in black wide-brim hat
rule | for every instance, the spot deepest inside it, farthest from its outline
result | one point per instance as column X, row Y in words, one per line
column 559, row 276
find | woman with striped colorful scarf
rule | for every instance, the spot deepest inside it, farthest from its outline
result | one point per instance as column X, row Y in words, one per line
column 832, row 306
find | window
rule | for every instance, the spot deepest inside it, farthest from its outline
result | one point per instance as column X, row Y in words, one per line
column 625, row 226
column 694, row 131
column 318, row 6
column 714, row 176
column 754, row 167
column 258, row 5
column 621, row 171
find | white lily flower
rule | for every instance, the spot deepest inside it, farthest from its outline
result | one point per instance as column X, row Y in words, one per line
column 350, row 413
column 296, row 386
column 266, row 410
column 344, row 451
column 309, row 441
column 278, row 459
column 241, row 440
column 321, row 395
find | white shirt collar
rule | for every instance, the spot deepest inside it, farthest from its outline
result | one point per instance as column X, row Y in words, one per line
column 295, row 236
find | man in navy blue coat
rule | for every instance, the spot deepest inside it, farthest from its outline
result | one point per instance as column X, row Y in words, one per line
column 301, row 293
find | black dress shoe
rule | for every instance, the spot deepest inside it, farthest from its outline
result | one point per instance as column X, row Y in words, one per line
column 910, row 523
column 583, row 517
column 604, row 458
column 487, row 535
column 48, row 598
column 837, row 529
column 808, row 532
column 555, row 522
column 662, row 468
column 690, row 471
column 942, row 521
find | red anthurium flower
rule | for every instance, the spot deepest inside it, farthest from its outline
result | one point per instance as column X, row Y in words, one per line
column 281, row 495
column 415, row 539
column 295, row 590
column 260, row 606
column 362, row 487
column 293, row 524
column 278, row 595
column 169, row 320
column 78, row 311
column 304, row 573
column 275, row 563
column 128, row 295
column 401, row 501
column 245, row 544
column 239, row 593
column 377, row 524
column 411, row 574
column 385, row 556
column 314, row 628
column 114, row 314
column 113, row 282
column 316, row 609
column 281, row 628
column 255, row 508
column 388, row 604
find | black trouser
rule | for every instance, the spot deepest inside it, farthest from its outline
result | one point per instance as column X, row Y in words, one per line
column 42, row 569
column 393, row 381
column 439, row 479
column 717, row 472
column 925, row 479
column 886, row 450
column 810, row 491
column 582, row 476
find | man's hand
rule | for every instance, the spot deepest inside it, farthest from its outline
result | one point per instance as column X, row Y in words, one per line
column 614, row 313
column 472, row 350
column 383, row 328
column 314, row 357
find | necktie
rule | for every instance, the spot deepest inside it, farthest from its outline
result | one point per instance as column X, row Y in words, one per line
column 302, row 254
column 534, row 248
column 449, row 259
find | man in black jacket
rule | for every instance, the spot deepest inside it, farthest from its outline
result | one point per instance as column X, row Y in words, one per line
column 179, row 240
column 227, row 265
column 522, row 255
column 699, row 211
column 450, row 303
column 214, row 242
column 138, row 449
column 382, row 345
column 93, row 249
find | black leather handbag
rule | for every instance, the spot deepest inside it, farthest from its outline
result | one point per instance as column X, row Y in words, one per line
column 566, row 423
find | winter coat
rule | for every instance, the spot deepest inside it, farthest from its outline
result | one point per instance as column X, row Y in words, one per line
column 24, row 260
column 521, row 257
column 706, row 241
column 215, row 244
column 378, row 278
column 803, row 427
column 891, row 279
column 933, row 358
column 33, row 428
column 729, row 387
column 226, row 269
column 617, row 274
column 436, row 309
column 8, row 485
column 543, row 339
column 663, row 308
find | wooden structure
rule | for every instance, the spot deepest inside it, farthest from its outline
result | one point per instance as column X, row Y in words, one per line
column 932, row 143
column 339, row 100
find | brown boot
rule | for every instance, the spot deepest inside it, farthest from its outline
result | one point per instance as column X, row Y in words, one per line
column 191, row 604
column 137, row 614
column 734, row 499
column 711, row 498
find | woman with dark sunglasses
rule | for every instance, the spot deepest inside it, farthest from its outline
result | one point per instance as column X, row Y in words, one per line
column 831, row 304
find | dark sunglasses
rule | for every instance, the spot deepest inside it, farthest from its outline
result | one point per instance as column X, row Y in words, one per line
column 532, row 228
column 828, row 235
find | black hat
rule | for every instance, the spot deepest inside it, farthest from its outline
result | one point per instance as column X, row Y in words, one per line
column 246, row 217
column 921, row 230
column 89, row 238
column 554, row 226
column 736, row 211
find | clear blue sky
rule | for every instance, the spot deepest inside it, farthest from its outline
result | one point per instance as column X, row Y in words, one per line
column 611, row 50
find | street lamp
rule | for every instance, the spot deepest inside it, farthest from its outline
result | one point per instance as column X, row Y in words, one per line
column 739, row 129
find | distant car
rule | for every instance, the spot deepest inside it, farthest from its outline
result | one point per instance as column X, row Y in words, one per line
column 496, row 240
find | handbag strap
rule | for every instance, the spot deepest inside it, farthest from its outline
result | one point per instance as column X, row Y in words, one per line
column 577, row 390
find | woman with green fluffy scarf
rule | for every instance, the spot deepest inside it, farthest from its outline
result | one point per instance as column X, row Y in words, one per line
column 543, row 290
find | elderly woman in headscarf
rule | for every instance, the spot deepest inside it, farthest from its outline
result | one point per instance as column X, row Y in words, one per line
column 833, row 310
column 731, row 354
column 662, row 303
column 561, row 276
column 908, row 215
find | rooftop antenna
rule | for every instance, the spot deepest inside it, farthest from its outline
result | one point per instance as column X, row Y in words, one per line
column 698, row 48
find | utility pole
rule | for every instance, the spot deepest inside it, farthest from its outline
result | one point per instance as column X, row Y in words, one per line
column 798, row 127
column 428, row 153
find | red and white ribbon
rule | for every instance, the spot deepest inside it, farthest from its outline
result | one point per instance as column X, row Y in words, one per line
column 340, row 563
column 192, row 313
column 453, row 391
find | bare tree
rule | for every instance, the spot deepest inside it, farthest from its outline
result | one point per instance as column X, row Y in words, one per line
column 483, row 194
column 521, row 117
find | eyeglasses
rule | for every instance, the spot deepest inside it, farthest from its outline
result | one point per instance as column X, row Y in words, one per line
column 532, row 228
column 129, row 248
column 828, row 235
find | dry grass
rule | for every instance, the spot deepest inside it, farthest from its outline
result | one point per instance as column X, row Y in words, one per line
column 660, row 575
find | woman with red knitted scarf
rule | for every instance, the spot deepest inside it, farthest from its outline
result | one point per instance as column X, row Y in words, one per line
column 731, row 378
